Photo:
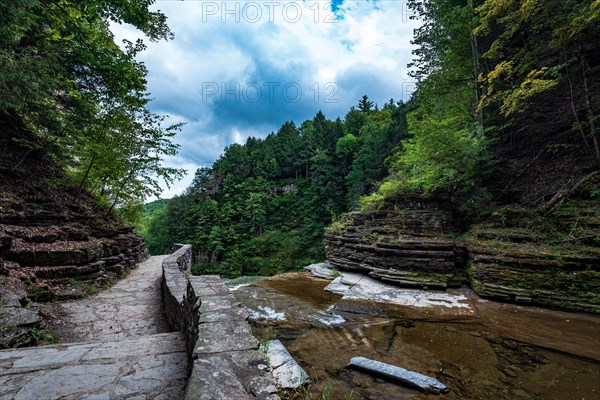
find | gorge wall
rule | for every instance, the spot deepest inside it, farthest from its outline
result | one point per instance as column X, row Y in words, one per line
column 408, row 243
column 520, row 255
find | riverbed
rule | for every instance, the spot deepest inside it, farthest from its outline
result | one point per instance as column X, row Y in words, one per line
column 478, row 348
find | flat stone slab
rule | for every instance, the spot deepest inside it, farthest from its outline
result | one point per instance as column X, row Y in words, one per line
column 391, row 372
column 218, row 303
column 232, row 375
column 321, row 270
column 149, row 367
column 213, row 378
column 218, row 337
column 234, row 314
column 357, row 286
column 286, row 371
column 208, row 285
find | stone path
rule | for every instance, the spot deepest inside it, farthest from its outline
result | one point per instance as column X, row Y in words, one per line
column 131, row 308
column 118, row 347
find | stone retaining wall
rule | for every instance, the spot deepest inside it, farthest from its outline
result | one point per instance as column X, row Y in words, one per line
column 225, row 362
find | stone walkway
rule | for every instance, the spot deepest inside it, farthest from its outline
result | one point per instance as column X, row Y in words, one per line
column 118, row 347
column 131, row 308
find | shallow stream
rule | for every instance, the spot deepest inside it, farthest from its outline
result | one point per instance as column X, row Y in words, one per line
column 482, row 350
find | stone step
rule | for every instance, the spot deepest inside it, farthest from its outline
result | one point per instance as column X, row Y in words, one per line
column 147, row 367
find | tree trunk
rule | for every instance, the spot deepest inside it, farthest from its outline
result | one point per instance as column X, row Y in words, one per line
column 87, row 173
column 559, row 196
column 118, row 195
column 588, row 107
column 476, row 72
column 573, row 106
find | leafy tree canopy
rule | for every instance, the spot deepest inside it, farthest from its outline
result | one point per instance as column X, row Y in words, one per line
column 84, row 98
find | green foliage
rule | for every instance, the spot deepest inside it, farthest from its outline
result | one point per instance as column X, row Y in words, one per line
column 263, row 206
column 338, row 224
column 204, row 269
column 442, row 154
column 535, row 45
column 43, row 336
column 373, row 202
column 446, row 148
column 347, row 145
column 83, row 98
column 91, row 290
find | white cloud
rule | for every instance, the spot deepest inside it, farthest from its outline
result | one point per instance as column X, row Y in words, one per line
column 364, row 51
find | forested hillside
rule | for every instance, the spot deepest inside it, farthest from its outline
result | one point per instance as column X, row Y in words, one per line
column 78, row 148
column 505, row 114
column 262, row 207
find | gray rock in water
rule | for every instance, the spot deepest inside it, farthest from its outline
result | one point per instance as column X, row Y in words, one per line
column 322, row 270
column 286, row 371
column 411, row 378
column 358, row 286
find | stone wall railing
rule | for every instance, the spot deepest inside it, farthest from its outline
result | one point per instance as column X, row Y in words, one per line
column 225, row 362
column 176, row 269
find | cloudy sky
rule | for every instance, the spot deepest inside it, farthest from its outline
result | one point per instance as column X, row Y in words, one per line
column 242, row 68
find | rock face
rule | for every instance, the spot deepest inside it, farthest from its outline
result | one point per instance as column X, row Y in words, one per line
column 17, row 322
column 50, row 257
column 520, row 255
column 407, row 244
column 521, row 261
column 53, row 236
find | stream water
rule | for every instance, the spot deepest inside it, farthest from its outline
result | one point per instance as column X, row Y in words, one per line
column 481, row 350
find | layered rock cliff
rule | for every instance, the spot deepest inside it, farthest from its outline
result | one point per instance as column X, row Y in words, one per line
column 520, row 255
column 528, row 256
column 408, row 243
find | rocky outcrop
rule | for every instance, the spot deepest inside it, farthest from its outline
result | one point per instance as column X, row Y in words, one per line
column 520, row 255
column 54, row 259
column 520, row 260
column 19, row 325
column 407, row 244
column 53, row 235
